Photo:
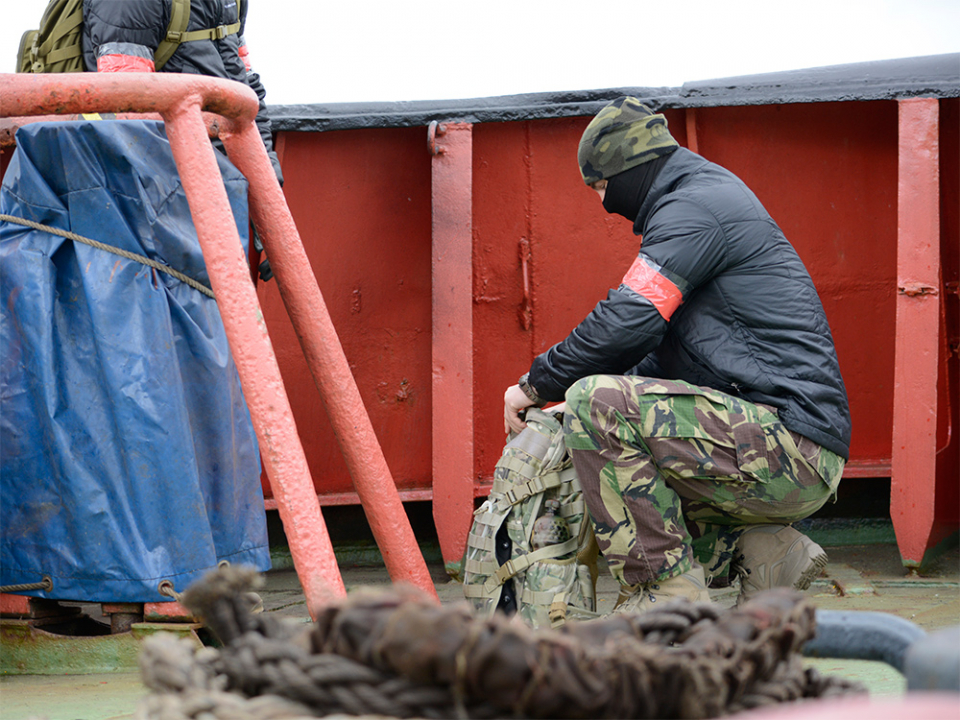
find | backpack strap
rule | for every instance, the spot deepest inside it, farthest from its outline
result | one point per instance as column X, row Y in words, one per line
column 179, row 19
column 482, row 542
column 486, row 517
column 571, row 508
column 177, row 32
column 522, row 562
column 63, row 54
column 536, row 485
column 559, row 609
column 532, row 443
column 545, row 598
column 557, row 613
column 217, row 33
column 481, row 567
column 475, row 592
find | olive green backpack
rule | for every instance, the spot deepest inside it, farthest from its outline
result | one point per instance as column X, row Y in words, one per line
column 531, row 549
column 56, row 46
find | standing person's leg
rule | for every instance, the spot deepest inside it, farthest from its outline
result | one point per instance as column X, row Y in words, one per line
column 650, row 452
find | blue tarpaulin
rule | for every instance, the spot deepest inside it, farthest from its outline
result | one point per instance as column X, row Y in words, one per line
column 127, row 454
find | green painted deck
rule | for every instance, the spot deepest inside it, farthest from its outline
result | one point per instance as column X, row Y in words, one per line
column 868, row 578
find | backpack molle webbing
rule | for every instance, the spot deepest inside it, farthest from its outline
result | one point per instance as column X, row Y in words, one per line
column 536, row 508
column 56, row 46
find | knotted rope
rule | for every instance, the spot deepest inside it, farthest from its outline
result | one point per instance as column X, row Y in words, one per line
column 397, row 653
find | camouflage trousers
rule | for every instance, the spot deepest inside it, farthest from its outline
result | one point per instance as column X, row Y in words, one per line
column 672, row 472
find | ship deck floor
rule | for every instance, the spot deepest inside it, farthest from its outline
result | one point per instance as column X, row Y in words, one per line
column 861, row 578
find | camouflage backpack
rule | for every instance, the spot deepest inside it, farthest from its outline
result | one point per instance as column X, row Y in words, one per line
column 531, row 548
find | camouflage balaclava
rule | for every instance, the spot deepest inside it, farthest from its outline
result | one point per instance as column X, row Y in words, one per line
column 624, row 134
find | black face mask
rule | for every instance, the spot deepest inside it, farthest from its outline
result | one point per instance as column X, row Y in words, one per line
column 626, row 191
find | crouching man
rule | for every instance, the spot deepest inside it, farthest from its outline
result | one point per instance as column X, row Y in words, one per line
column 705, row 411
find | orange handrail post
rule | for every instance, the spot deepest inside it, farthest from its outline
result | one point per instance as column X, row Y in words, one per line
column 179, row 99
column 324, row 354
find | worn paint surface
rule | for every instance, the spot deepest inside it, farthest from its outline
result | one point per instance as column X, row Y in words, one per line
column 179, row 99
column 29, row 650
column 913, row 490
column 827, row 170
column 452, row 336
column 362, row 208
column 331, row 372
column 544, row 252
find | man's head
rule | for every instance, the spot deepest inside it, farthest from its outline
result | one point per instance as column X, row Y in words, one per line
column 624, row 134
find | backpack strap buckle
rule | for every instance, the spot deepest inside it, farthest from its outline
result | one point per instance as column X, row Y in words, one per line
column 557, row 613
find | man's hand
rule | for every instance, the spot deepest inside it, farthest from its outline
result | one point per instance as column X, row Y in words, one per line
column 514, row 401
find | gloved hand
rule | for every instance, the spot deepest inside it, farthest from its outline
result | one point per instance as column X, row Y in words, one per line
column 266, row 272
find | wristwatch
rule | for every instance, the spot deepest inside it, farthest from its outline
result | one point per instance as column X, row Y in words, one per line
column 529, row 391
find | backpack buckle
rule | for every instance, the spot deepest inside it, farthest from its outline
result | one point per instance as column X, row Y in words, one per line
column 220, row 32
column 174, row 36
column 507, row 571
column 557, row 613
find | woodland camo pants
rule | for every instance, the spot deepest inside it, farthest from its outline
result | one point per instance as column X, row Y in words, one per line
column 672, row 472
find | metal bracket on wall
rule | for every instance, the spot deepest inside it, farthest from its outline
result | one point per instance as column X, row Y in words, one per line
column 435, row 129
column 915, row 289
column 525, row 311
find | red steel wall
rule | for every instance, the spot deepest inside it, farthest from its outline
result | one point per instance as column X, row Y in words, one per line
column 361, row 201
column 827, row 172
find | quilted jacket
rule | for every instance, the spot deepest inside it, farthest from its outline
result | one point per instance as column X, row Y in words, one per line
column 122, row 35
column 717, row 297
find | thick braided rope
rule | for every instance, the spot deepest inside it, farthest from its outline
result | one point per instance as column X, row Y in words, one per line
column 684, row 660
column 260, row 677
column 397, row 653
column 196, row 285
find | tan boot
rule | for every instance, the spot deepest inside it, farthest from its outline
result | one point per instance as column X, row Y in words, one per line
column 776, row 556
column 692, row 585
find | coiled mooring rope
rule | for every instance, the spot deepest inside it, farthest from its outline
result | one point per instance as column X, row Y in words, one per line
column 397, row 653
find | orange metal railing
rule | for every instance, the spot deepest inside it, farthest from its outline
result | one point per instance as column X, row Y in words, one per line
column 181, row 100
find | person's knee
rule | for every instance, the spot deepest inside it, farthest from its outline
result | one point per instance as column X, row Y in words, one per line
column 593, row 391
column 577, row 397
column 582, row 395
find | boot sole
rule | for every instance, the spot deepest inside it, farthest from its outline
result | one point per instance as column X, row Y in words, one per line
column 817, row 563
